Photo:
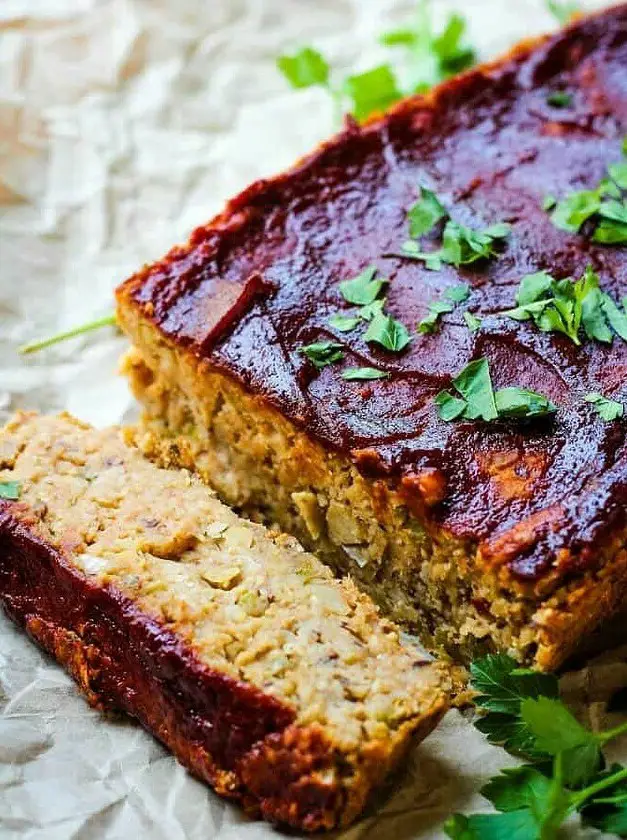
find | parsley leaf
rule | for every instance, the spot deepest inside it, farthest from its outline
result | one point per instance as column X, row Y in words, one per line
column 306, row 68
column 518, row 402
column 556, row 732
column 343, row 323
column 604, row 208
column 83, row 329
column 452, row 295
column 367, row 312
column 362, row 289
column 480, row 400
column 425, row 214
column 472, row 322
column 10, row 490
column 519, row 787
column 373, row 91
column 388, row 333
column 364, row 373
column 460, row 245
column 607, row 409
column 513, row 825
column 432, row 57
column 475, row 386
column 566, row 306
column 562, row 10
column 429, row 323
column 323, row 353
column 503, row 685
column 560, row 99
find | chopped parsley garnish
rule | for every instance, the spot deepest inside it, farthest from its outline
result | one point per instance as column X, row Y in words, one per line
column 461, row 245
column 472, row 322
column 477, row 400
column 560, row 99
column 432, row 57
column 364, row 288
column 425, row 214
column 90, row 326
column 323, row 353
column 607, row 409
column 429, row 58
column 602, row 210
column 452, row 296
column 344, row 323
column 564, row 774
column 10, row 490
column 562, row 10
column 388, row 333
column 364, row 373
column 569, row 307
column 305, row 68
column 372, row 92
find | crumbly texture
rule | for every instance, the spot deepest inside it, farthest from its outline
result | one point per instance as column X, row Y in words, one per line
column 435, row 585
column 248, row 605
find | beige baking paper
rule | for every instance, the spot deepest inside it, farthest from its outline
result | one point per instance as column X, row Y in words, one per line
column 124, row 124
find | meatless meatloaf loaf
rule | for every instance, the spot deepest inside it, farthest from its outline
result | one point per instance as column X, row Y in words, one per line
column 478, row 535
column 269, row 679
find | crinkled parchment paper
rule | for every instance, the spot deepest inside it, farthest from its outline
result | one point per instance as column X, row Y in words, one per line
column 124, row 124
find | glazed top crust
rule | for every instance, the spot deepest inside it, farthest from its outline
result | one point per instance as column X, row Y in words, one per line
column 261, row 280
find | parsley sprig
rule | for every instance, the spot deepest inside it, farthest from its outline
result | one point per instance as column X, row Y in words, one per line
column 429, row 58
column 565, row 770
column 600, row 212
column 437, row 308
column 461, row 245
column 569, row 307
column 607, row 409
column 10, row 490
column 477, row 400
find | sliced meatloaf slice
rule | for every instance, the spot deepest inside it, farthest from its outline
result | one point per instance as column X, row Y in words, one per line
column 276, row 684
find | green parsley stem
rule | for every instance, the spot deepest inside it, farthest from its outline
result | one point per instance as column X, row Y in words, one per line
column 578, row 798
column 604, row 737
column 90, row 326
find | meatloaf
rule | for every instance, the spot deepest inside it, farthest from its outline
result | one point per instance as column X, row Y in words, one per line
column 507, row 536
column 269, row 679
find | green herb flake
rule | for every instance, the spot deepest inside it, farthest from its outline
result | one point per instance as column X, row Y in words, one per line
column 479, row 401
column 343, row 323
column 306, row 68
column 562, row 10
column 560, row 99
column 429, row 323
column 567, row 306
column 460, row 245
column 364, row 373
column 518, row 402
column 368, row 312
column 425, row 214
column 472, row 322
column 10, row 490
column 364, row 288
column 372, row 92
column 475, row 386
column 388, row 333
column 458, row 294
column 607, row 409
column 323, row 353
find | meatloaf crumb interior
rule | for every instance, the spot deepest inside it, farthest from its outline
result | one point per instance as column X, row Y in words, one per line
column 479, row 536
column 277, row 684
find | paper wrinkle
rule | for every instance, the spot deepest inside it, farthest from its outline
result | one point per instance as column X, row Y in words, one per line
column 124, row 124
